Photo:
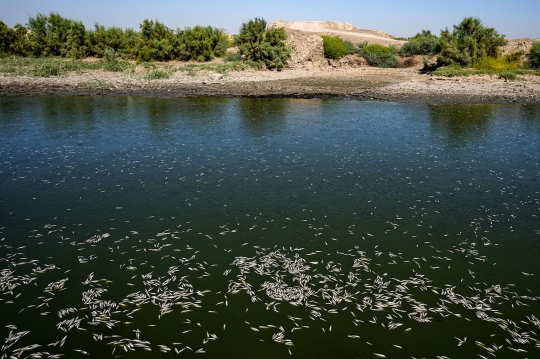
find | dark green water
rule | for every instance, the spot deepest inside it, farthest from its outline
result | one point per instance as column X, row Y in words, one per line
column 393, row 229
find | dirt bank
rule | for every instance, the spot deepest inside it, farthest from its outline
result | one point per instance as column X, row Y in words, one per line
column 400, row 85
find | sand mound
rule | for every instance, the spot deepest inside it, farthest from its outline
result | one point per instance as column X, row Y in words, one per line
column 342, row 29
column 307, row 49
column 304, row 37
column 313, row 26
column 515, row 45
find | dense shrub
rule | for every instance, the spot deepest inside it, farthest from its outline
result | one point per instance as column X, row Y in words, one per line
column 351, row 48
column 469, row 42
column 54, row 35
column 423, row 45
column 201, row 43
column 155, row 42
column 423, row 33
column 334, row 47
column 232, row 56
column 101, row 39
column 500, row 63
column 7, row 38
column 260, row 45
column 534, row 56
column 378, row 55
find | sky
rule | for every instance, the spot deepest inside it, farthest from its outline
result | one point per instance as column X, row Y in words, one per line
column 515, row 19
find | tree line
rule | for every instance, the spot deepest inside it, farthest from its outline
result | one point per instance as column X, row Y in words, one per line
column 54, row 35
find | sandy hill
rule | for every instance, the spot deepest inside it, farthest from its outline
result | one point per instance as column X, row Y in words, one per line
column 344, row 30
column 304, row 37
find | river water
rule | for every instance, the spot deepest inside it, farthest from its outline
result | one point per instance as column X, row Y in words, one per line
column 267, row 228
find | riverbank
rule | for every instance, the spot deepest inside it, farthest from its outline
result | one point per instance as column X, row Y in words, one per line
column 363, row 83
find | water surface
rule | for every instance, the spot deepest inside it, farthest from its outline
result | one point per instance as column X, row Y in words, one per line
column 268, row 228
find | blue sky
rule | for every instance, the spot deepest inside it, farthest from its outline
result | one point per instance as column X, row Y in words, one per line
column 515, row 19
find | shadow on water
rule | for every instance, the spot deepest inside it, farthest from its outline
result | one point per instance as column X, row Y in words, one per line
column 461, row 125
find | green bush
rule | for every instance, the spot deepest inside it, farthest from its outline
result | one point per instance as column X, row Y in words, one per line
column 7, row 38
column 378, row 55
column 54, row 35
column 157, row 75
column 334, row 47
column 499, row 64
column 232, row 56
column 120, row 41
column 155, row 42
column 508, row 76
column 534, row 56
column 420, row 46
column 260, row 45
column 468, row 43
column 351, row 49
column 423, row 33
column 201, row 43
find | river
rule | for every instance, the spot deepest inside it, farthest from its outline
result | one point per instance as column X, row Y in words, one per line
column 267, row 228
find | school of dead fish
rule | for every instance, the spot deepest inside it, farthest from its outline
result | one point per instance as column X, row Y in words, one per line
column 321, row 288
column 327, row 284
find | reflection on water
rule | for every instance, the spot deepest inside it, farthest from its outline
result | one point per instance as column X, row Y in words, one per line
column 461, row 124
column 260, row 116
column 267, row 227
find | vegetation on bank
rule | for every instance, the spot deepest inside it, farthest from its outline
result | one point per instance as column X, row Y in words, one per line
column 378, row 55
column 50, row 45
column 38, row 47
column 334, row 47
column 58, row 66
column 469, row 48
column 257, row 44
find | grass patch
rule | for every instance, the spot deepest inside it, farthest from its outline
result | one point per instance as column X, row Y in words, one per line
column 158, row 75
column 508, row 76
column 497, row 64
column 56, row 66
column 222, row 68
column 43, row 66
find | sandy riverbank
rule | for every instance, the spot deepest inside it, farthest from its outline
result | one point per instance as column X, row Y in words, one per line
column 400, row 85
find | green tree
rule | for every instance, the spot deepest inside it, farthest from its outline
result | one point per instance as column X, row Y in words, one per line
column 261, row 45
column 54, row 35
column 7, row 39
column 102, row 38
column 201, row 43
column 469, row 42
column 155, row 42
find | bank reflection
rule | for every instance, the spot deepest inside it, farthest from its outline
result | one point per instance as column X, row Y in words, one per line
column 259, row 117
column 195, row 113
column 461, row 125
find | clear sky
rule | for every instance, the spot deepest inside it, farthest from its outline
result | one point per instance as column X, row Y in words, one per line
column 515, row 19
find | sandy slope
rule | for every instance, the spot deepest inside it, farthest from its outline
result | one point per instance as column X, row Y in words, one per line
column 341, row 29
